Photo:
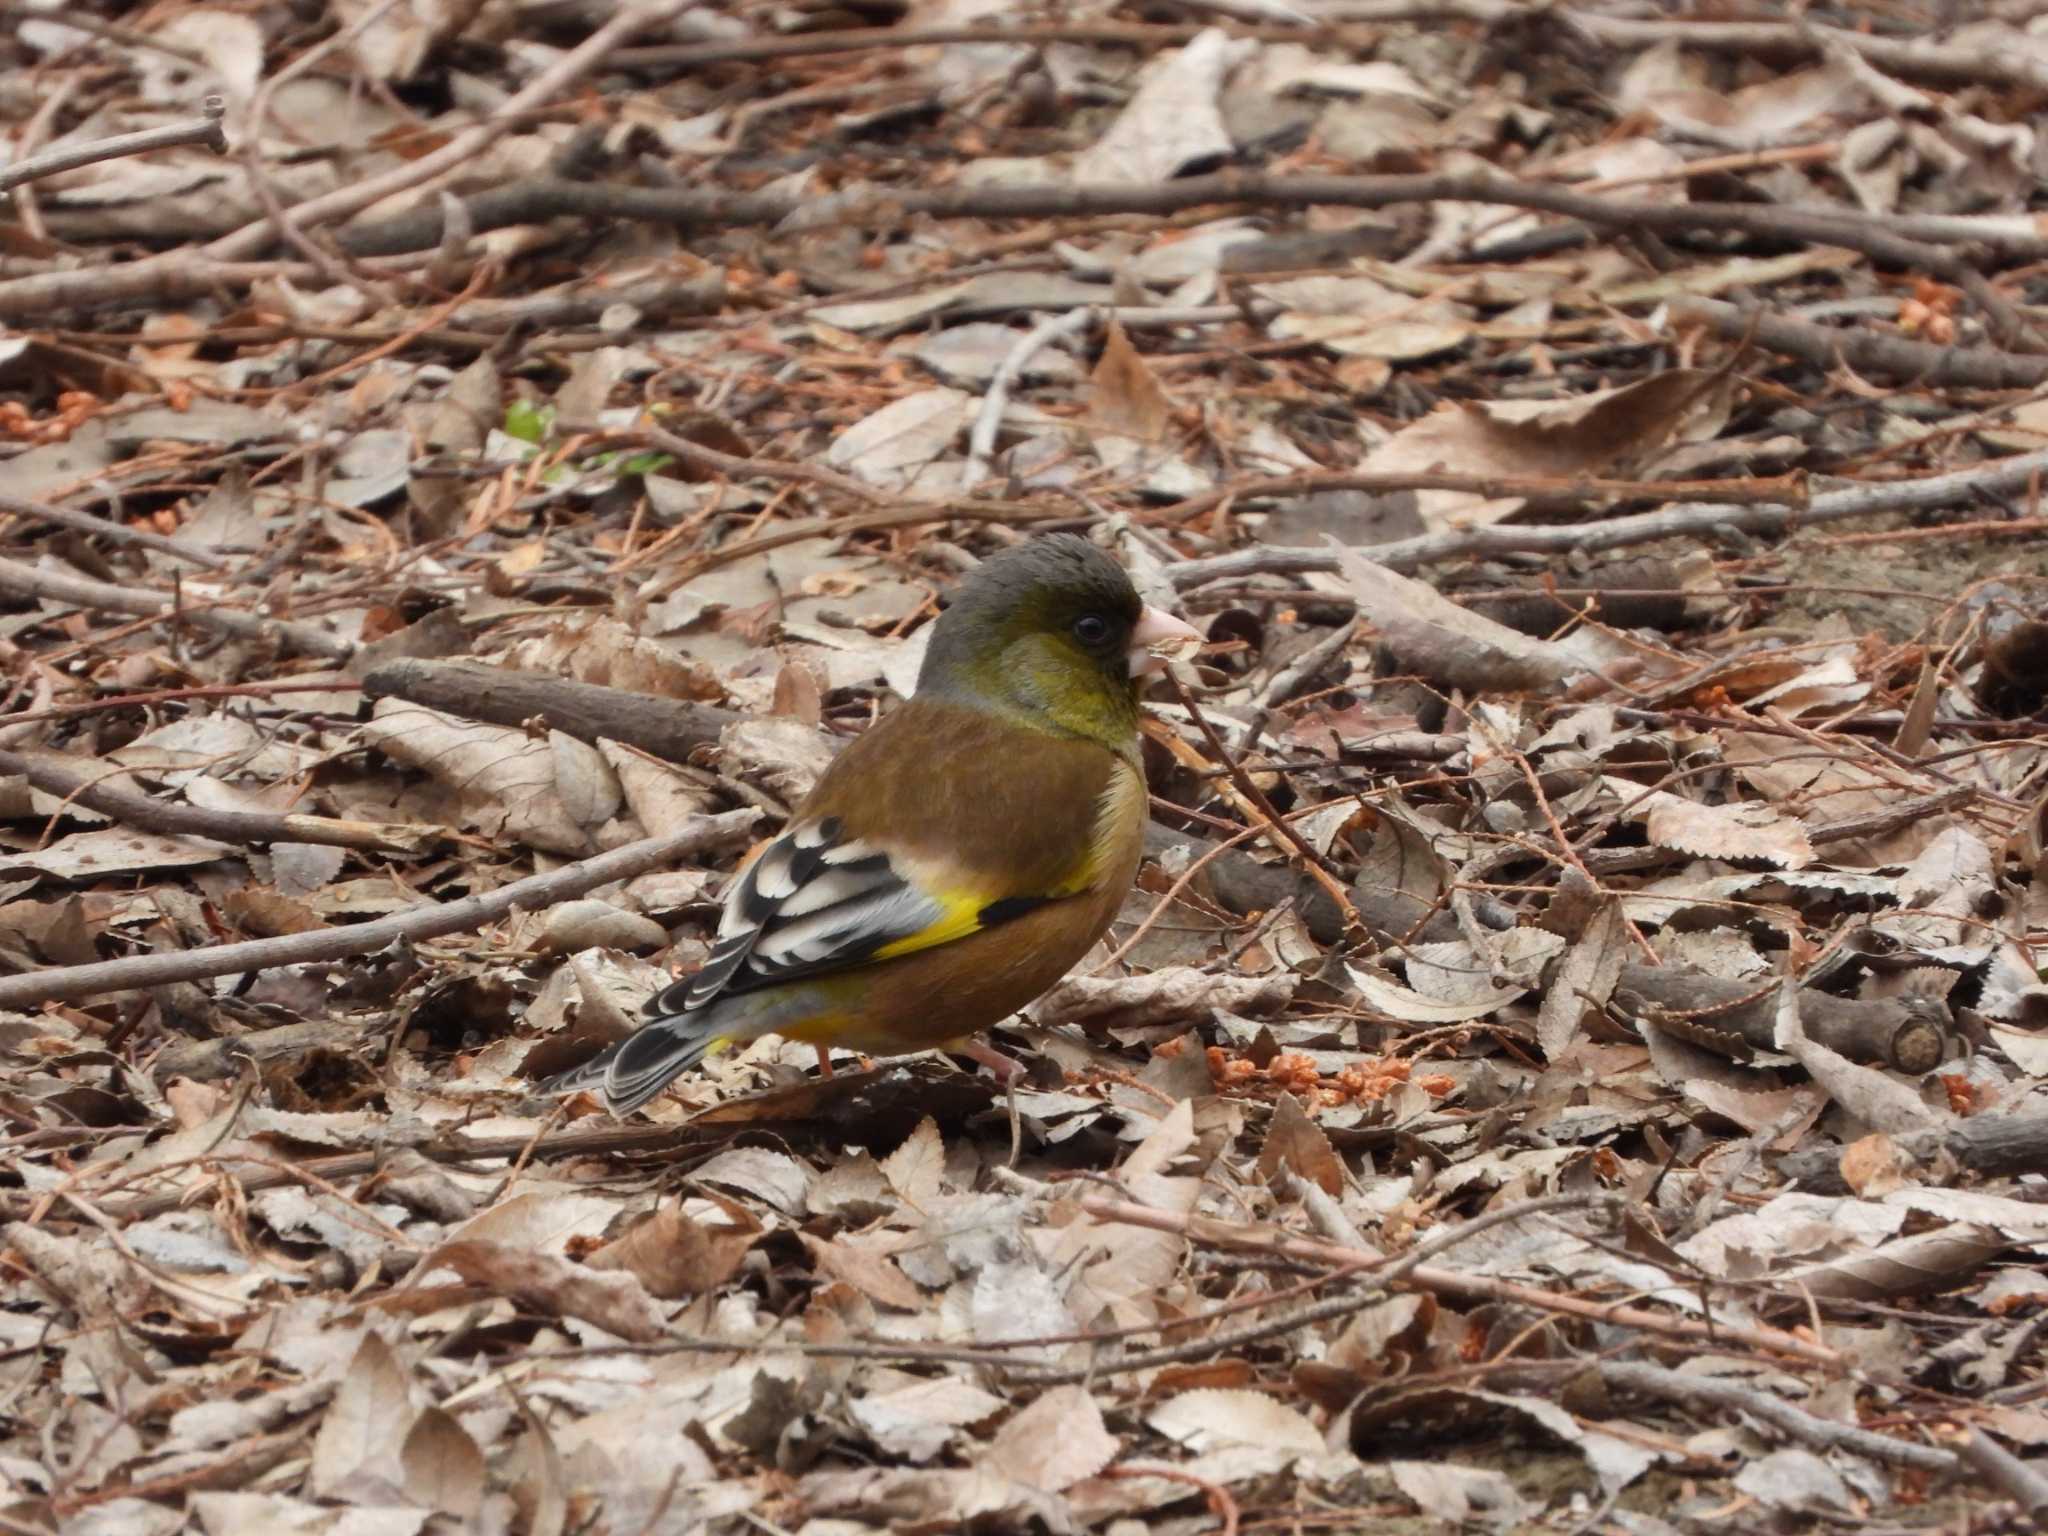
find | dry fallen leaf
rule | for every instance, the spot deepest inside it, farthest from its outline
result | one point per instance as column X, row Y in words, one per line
column 675, row 1255
column 1872, row 1166
column 617, row 1303
column 1055, row 1441
column 1611, row 432
column 297, row 1247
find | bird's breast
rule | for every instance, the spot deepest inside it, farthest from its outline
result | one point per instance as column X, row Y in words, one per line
column 1119, row 835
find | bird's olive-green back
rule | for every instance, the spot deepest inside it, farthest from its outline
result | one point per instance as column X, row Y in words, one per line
column 988, row 810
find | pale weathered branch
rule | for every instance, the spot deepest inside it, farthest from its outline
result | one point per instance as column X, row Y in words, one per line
column 84, row 592
column 69, row 157
column 73, row 982
column 1925, row 493
column 74, row 780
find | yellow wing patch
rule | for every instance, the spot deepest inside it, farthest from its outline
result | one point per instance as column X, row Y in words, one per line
column 961, row 915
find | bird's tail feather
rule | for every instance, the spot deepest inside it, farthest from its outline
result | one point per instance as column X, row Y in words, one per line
column 633, row 1071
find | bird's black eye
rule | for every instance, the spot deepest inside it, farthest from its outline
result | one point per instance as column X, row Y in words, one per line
column 1091, row 629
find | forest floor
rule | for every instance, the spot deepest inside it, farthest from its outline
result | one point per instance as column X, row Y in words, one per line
column 1570, row 1062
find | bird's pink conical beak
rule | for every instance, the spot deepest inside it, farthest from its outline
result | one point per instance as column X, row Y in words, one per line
column 1155, row 628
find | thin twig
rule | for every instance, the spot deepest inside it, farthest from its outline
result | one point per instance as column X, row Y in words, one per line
column 71, row 779
column 1279, row 830
column 1290, row 678
column 1181, row 883
column 69, row 157
column 1448, row 1282
column 334, row 267
column 159, row 696
column 73, row 982
column 1382, row 1273
column 31, row 581
column 113, row 532
column 1808, row 1428
column 464, row 147
column 1549, row 488
column 981, row 441
column 674, row 59
column 26, row 207
column 1006, row 513
column 83, row 21
column 1924, row 493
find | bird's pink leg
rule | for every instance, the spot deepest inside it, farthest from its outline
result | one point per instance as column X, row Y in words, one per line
column 824, row 1060
column 1005, row 1069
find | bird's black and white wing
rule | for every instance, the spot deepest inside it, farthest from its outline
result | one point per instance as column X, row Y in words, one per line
column 816, row 900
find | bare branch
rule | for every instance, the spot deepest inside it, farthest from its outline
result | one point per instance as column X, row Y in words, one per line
column 73, row 982
column 1862, row 499
column 60, row 587
column 69, row 157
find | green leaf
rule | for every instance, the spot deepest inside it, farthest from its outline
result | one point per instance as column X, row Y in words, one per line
column 528, row 421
